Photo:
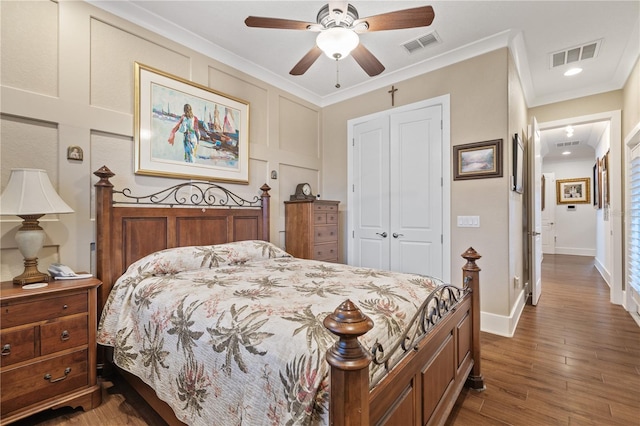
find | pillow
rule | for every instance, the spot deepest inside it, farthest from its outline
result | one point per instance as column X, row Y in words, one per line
column 179, row 259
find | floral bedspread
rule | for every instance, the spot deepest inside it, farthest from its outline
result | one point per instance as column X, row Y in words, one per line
column 232, row 334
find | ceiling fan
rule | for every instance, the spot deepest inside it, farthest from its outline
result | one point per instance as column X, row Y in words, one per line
column 338, row 25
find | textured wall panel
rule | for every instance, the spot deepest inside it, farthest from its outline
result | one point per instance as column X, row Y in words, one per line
column 113, row 52
column 29, row 57
column 28, row 143
column 299, row 128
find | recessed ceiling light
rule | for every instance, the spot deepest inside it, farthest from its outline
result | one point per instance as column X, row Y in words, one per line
column 566, row 153
column 572, row 71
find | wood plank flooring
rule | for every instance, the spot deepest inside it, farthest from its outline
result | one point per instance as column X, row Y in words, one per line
column 574, row 360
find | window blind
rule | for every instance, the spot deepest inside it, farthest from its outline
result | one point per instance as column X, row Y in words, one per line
column 634, row 246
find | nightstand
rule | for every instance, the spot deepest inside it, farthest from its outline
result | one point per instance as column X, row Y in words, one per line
column 48, row 347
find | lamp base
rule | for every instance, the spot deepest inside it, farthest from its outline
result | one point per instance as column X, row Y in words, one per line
column 31, row 274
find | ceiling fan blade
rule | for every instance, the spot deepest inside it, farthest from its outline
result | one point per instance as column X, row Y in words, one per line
column 307, row 60
column 369, row 63
column 400, row 19
column 277, row 23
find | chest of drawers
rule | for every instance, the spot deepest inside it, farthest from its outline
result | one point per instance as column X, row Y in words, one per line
column 48, row 347
column 311, row 229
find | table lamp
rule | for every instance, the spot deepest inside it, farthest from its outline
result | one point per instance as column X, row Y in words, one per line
column 30, row 195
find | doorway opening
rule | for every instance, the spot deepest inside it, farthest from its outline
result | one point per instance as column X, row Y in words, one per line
column 599, row 150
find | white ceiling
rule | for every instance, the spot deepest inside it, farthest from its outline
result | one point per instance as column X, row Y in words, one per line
column 532, row 29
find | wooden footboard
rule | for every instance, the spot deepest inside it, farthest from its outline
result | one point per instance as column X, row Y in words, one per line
column 423, row 387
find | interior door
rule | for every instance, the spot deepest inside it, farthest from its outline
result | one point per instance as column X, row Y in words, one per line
column 370, row 163
column 397, row 195
column 549, row 214
column 535, row 212
column 416, row 191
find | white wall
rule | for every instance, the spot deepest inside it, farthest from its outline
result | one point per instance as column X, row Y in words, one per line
column 576, row 229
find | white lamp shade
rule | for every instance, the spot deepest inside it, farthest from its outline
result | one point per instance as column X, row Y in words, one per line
column 337, row 42
column 29, row 192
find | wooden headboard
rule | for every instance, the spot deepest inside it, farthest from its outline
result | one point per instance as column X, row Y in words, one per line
column 194, row 213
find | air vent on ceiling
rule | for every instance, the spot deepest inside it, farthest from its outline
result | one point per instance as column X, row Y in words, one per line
column 563, row 144
column 575, row 54
column 421, row 42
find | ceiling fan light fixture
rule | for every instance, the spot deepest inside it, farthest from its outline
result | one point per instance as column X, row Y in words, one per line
column 337, row 42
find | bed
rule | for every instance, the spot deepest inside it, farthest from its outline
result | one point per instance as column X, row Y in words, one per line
column 212, row 324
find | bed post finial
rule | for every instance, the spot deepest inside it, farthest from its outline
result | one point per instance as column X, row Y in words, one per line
column 349, row 392
column 104, row 174
column 471, row 279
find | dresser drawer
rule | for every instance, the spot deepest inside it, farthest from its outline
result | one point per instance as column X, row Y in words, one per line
column 327, row 252
column 326, row 234
column 322, row 218
column 64, row 334
column 15, row 313
column 333, row 207
column 18, row 345
column 41, row 380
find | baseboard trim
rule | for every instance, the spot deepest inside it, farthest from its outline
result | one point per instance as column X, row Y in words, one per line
column 500, row 324
column 603, row 271
column 573, row 251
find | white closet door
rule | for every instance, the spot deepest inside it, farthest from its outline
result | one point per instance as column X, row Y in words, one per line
column 371, row 194
column 416, row 191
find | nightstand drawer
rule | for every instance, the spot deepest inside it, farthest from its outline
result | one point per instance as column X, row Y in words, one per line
column 60, row 335
column 15, row 313
column 41, row 380
column 327, row 252
column 17, row 346
column 325, row 234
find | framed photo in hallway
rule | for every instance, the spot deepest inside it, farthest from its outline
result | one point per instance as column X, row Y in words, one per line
column 573, row 191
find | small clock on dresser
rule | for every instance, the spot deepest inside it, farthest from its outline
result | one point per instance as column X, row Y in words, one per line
column 303, row 192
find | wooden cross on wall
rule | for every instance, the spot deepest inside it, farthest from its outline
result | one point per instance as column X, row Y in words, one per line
column 393, row 95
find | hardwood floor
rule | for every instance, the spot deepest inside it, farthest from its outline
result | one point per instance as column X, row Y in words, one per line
column 574, row 360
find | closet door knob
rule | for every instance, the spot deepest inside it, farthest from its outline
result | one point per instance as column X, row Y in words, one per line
column 383, row 235
column 396, row 235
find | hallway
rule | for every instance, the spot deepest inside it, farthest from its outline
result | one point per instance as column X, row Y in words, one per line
column 574, row 359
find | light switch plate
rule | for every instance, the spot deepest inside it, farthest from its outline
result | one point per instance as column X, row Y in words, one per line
column 468, row 221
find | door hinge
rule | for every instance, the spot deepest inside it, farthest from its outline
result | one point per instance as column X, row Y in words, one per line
column 441, row 239
column 441, row 181
column 353, row 234
column 353, row 187
column 353, row 142
column 441, row 124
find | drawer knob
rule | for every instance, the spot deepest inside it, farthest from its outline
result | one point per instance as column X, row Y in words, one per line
column 65, row 307
column 65, row 336
column 66, row 373
column 6, row 350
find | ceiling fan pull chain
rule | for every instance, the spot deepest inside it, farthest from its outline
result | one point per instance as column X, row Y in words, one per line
column 337, row 74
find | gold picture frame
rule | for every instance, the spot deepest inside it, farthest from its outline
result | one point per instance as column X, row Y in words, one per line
column 477, row 160
column 573, row 191
column 169, row 143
